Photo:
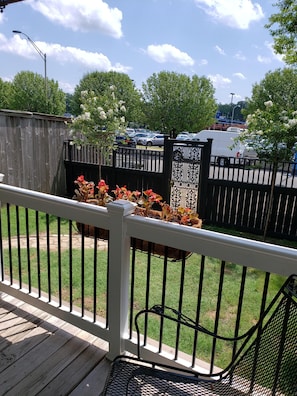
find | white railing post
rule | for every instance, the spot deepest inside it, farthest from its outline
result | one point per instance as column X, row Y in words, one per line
column 119, row 264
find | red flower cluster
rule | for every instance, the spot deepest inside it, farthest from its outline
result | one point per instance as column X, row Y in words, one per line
column 145, row 200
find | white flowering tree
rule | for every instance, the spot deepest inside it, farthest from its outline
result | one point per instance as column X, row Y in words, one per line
column 102, row 117
column 272, row 133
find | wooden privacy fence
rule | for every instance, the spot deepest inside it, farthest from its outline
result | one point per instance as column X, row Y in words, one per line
column 31, row 150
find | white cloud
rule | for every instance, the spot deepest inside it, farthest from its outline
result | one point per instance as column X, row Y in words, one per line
column 220, row 50
column 263, row 59
column 240, row 76
column 239, row 55
column 90, row 60
column 66, row 87
column 219, row 81
column 78, row 15
column 168, row 53
column 238, row 14
column 203, row 62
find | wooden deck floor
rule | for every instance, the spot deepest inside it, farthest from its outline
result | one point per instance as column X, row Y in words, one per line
column 43, row 355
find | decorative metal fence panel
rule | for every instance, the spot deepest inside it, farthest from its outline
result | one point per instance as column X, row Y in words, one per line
column 185, row 184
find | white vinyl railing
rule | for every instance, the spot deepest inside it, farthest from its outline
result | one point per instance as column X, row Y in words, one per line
column 122, row 224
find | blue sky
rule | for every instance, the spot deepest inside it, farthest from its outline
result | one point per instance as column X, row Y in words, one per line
column 224, row 40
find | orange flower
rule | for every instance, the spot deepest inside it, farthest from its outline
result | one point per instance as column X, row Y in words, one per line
column 145, row 201
column 102, row 187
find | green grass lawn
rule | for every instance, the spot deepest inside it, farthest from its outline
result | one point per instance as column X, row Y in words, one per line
column 149, row 285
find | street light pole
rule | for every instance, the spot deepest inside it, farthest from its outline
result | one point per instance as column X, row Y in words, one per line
column 233, row 113
column 232, row 94
column 42, row 55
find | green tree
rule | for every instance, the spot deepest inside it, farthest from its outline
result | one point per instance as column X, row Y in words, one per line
column 279, row 86
column 272, row 134
column 175, row 102
column 29, row 94
column 100, row 82
column 226, row 110
column 68, row 100
column 102, row 116
column 272, row 122
column 5, row 94
column 282, row 27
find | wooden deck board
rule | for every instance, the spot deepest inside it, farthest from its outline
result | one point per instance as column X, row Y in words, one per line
column 43, row 355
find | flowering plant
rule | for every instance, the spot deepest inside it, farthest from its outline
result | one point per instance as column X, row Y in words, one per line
column 271, row 132
column 101, row 118
column 145, row 201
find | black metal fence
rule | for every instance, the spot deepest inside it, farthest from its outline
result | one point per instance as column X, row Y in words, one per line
column 232, row 196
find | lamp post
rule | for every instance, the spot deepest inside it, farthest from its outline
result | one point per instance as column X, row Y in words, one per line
column 232, row 94
column 233, row 113
column 42, row 55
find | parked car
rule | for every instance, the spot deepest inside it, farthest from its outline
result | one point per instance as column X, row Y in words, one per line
column 130, row 131
column 139, row 135
column 184, row 136
column 152, row 140
column 125, row 140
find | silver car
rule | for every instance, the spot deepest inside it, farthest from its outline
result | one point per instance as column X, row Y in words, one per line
column 152, row 140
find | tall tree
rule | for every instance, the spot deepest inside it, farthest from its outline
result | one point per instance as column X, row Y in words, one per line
column 175, row 102
column 5, row 94
column 100, row 83
column 279, row 86
column 29, row 94
column 283, row 28
column 272, row 123
column 102, row 116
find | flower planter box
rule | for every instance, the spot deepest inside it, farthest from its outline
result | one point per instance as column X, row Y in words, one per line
column 147, row 203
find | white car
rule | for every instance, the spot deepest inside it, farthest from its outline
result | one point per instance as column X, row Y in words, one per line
column 184, row 136
column 152, row 140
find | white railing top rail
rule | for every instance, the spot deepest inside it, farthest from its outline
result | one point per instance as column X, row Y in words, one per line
column 246, row 252
column 264, row 256
column 57, row 206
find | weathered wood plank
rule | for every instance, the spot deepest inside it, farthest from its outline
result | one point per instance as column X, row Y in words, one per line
column 47, row 356
column 73, row 374
column 93, row 384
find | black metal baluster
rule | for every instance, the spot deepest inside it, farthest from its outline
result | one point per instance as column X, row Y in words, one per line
column 59, row 261
column 28, row 250
column 38, row 253
column 17, row 212
column 48, row 250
